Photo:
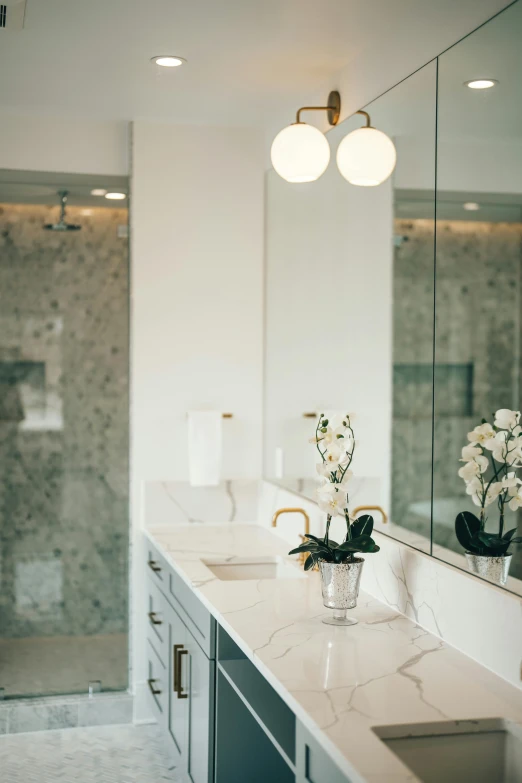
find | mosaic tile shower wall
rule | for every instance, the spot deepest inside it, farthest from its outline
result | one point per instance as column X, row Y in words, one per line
column 64, row 370
column 477, row 371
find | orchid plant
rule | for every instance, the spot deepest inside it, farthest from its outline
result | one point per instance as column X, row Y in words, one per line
column 489, row 480
column 336, row 445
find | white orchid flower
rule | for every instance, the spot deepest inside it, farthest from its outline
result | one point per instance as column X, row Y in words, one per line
column 333, row 456
column 324, row 470
column 481, row 434
column 330, row 500
column 511, row 483
column 333, row 435
column 497, row 446
column 492, row 493
column 474, row 487
column 470, row 452
column 506, row 419
column 344, row 481
column 474, row 468
column 516, row 501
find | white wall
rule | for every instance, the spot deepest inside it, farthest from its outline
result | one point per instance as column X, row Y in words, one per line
column 328, row 315
column 196, row 309
column 63, row 144
column 197, row 254
column 376, row 68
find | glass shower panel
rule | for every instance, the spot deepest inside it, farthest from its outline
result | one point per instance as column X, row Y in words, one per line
column 63, row 444
column 478, row 263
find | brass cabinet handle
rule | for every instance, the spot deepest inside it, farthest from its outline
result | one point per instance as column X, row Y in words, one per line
column 155, row 567
column 178, row 688
column 153, row 690
column 176, row 649
column 181, row 694
column 154, row 619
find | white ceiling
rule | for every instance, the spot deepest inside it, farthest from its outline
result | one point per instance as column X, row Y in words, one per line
column 248, row 60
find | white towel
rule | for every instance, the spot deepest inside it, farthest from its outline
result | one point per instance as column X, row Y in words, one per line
column 204, row 447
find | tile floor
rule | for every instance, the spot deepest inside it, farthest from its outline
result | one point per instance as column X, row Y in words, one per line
column 109, row 754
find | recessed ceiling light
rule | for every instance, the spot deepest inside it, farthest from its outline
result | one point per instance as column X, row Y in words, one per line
column 471, row 206
column 116, row 196
column 168, row 60
column 98, row 192
column 481, row 84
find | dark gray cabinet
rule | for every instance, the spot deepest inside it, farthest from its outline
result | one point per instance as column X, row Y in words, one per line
column 313, row 764
column 223, row 722
column 181, row 674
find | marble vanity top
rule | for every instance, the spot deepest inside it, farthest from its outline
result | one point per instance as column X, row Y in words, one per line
column 340, row 682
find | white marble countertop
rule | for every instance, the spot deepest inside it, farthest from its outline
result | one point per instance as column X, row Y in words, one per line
column 340, row 682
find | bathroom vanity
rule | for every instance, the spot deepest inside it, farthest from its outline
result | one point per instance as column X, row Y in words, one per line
column 248, row 684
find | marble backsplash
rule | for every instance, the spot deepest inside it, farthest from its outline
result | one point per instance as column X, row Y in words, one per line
column 466, row 612
column 64, row 428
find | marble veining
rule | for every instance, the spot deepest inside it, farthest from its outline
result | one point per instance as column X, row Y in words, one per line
column 387, row 669
column 176, row 502
column 467, row 612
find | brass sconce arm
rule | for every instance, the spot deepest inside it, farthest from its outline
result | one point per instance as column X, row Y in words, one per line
column 365, row 114
column 333, row 108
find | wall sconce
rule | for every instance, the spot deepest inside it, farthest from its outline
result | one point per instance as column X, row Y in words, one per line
column 366, row 156
column 300, row 152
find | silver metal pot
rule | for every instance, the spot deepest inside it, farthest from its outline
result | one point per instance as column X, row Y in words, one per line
column 340, row 584
column 496, row 569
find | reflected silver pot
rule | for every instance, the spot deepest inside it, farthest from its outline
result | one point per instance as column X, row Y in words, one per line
column 340, row 583
column 496, row 569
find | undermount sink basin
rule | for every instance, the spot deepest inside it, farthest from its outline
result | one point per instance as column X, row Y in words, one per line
column 240, row 568
column 482, row 751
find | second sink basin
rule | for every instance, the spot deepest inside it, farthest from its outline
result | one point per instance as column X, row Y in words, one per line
column 241, row 568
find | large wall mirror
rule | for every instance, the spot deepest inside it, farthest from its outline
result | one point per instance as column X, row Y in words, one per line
column 403, row 303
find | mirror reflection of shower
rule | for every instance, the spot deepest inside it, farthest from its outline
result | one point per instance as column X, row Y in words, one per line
column 62, row 225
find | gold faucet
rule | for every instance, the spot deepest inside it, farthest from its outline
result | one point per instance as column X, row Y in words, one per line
column 371, row 508
column 303, row 555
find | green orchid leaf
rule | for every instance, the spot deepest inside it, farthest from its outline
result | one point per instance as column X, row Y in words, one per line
column 493, row 544
column 362, row 543
column 509, row 535
column 362, row 525
column 311, row 546
column 310, row 562
column 516, row 540
column 315, row 538
column 467, row 525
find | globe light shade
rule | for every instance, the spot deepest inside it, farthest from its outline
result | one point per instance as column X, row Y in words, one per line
column 366, row 157
column 300, row 153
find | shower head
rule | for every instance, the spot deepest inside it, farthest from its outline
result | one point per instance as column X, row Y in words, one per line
column 62, row 225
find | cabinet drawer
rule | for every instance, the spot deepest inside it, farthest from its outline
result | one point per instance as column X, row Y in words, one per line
column 157, row 622
column 158, row 686
column 157, row 567
column 314, row 765
column 196, row 617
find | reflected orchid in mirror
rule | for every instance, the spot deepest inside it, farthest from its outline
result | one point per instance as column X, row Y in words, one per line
column 335, row 443
column 491, row 479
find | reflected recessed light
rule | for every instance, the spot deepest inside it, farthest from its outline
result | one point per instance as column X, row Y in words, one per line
column 481, row 84
column 168, row 60
column 98, row 192
column 471, row 206
column 116, row 196
column 87, row 212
